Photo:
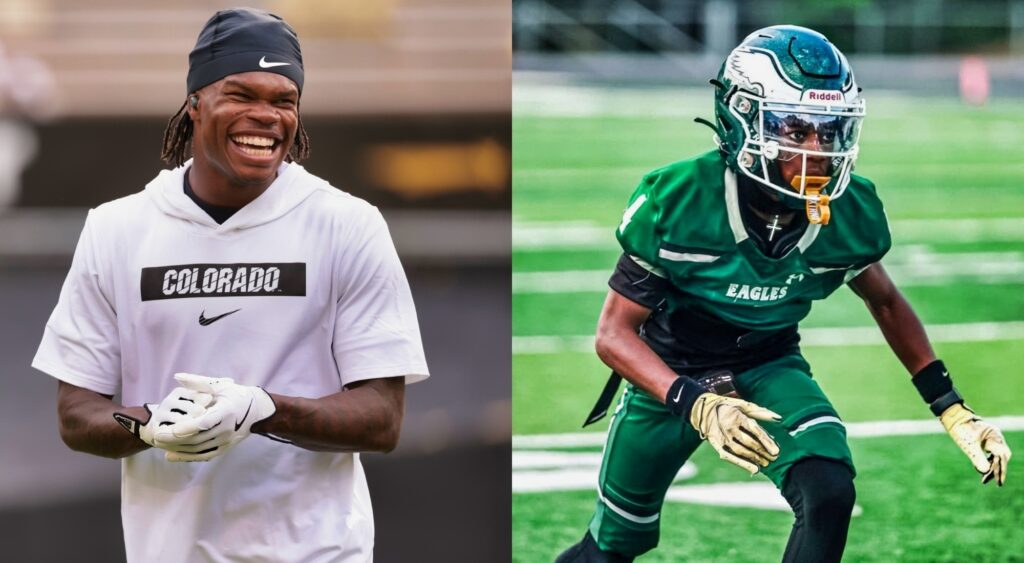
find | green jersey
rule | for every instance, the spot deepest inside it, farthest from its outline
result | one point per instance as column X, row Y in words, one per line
column 684, row 224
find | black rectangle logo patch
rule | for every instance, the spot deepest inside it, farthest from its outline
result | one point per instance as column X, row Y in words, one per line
column 224, row 280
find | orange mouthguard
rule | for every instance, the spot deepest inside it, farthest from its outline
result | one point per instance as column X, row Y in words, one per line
column 818, row 212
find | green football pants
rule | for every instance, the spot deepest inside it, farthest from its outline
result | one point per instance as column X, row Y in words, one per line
column 647, row 445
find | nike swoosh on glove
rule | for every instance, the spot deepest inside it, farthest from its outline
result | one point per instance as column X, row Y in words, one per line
column 730, row 426
column 227, row 420
column 180, row 404
column 981, row 441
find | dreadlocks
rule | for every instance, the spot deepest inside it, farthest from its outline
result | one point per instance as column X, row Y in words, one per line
column 178, row 140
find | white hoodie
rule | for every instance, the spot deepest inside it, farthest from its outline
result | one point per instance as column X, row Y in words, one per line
column 317, row 300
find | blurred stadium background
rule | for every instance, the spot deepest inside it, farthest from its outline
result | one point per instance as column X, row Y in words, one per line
column 604, row 91
column 407, row 105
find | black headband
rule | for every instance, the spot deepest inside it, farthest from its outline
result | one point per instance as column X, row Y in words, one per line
column 243, row 40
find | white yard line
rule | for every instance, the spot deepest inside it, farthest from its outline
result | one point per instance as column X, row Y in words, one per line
column 552, row 344
column 578, row 100
column 980, row 270
column 873, row 429
column 822, row 336
column 548, row 460
column 538, row 465
column 567, row 281
column 576, row 476
column 759, row 494
column 559, row 235
column 909, row 265
column 637, row 171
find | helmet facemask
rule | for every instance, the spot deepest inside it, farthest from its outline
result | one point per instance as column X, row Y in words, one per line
column 817, row 142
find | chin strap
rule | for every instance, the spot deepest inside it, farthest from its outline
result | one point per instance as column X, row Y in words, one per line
column 818, row 212
column 717, row 136
column 703, row 121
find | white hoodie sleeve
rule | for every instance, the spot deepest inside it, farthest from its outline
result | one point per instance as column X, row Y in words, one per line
column 81, row 345
column 376, row 333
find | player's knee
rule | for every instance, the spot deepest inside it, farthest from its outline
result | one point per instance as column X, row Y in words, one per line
column 827, row 489
column 834, row 500
column 627, row 525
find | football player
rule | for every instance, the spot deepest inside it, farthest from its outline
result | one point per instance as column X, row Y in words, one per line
column 723, row 255
column 255, row 321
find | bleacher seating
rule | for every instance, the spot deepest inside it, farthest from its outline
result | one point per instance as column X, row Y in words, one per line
column 124, row 57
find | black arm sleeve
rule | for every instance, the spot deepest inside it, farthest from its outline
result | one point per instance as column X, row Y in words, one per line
column 636, row 283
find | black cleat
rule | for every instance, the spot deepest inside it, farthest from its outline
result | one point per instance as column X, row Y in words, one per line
column 587, row 551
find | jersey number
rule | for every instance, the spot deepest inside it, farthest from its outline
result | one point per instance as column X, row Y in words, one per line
column 631, row 211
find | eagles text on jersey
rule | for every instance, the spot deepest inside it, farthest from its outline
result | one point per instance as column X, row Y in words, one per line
column 683, row 222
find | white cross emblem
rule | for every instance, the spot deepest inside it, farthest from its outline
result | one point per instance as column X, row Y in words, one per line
column 773, row 227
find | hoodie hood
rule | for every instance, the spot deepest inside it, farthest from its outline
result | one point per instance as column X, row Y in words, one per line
column 292, row 186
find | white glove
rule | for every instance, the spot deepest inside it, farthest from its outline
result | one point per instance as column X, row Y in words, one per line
column 730, row 426
column 982, row 442
column 227, row 420
column 180, row 404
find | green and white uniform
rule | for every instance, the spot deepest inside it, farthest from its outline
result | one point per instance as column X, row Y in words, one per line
column 684, row 221
column 727, row 305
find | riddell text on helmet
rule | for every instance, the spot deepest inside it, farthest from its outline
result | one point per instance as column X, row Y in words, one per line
column 824, row 96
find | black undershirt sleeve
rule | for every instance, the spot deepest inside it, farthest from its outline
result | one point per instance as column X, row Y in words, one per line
column 638, row 284
column 691, row 342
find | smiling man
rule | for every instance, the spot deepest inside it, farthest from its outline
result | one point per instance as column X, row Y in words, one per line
column 237, row 294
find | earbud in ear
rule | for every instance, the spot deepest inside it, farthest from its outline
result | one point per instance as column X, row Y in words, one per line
column 193, row 101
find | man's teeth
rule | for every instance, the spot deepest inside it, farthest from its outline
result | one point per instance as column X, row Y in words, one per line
column 253, row 140
column 254, row 151
column 253, row 145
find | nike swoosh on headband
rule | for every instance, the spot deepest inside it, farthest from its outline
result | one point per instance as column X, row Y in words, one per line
column 265, row 64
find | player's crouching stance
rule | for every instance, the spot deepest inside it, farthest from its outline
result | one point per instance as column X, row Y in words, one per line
column 285, row 294
column 723, row 256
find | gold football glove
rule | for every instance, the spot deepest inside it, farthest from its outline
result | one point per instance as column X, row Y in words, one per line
column 730, row 426
column 982, row 442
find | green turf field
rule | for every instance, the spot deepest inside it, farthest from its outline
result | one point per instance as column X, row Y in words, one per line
column 951, row 179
